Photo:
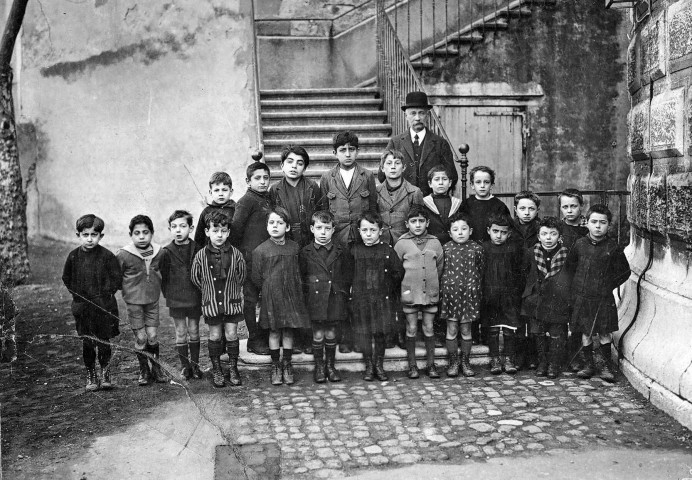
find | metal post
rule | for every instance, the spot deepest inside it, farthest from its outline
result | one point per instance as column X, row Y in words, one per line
column 464, row 163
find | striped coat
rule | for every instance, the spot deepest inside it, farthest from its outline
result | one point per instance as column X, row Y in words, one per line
column 229, row 299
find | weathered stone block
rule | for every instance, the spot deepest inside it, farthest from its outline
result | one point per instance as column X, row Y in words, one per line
column 638, row 138
column 654, row 47
column 633, row 61
column 680, row 35
column 638, row 184
column 679, row 187
column 666, row 123
column 656, row 193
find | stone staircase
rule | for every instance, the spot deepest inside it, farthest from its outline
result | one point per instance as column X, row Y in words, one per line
column 311, row 117
column 459, row 43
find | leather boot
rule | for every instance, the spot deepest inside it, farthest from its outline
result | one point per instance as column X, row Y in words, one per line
column 144, row 372
column 215, row 357
column 430, row 357
column 542, row 368
column 194, row 360
column 510, row 353
column 494, row 347
column 575, row 351
column 330, row 354
column 288, row 367
column 106, row 377
column 606, row 374
column 555, row 356
column 92, row 382
column 369, row 373
column 466, row 369
column 318, row 355
column 380, row 374
column 411, row 356
column 183, row 352
column 589, row 369
column 156, row 370
column 233, row 350
column 277, row 375
column 453, row 358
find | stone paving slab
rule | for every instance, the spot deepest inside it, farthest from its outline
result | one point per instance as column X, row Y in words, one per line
column 327, row 431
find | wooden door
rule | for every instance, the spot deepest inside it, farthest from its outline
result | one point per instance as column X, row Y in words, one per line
column 495, row 137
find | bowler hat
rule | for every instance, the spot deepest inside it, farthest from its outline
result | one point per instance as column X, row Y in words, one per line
column 416, row 100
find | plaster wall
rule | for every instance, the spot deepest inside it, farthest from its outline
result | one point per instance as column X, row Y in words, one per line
column 655, row 351
column 127, row 107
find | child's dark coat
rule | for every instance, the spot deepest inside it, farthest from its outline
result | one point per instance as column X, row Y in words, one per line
column 377, row 274
column 176, row 285
column 525, row 235
column 249, row 226
column 326, row 282
column 479, row 212
column 598, row 269
column 93, row 277
column 276, row 271
column 308, row 192
column 228, row 208
column 503, row 283
column 546, row 299
column 439, row 227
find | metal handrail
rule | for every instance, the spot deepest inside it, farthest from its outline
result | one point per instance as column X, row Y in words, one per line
column 256, row 83
column 396, row 77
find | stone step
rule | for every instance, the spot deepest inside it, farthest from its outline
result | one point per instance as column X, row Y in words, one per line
column 327, row 158
column 324, row 130
column 320, row 104
column 313, row 143
column 344, row 117
column 522, row 12
column 325, row 93
column 394, row 360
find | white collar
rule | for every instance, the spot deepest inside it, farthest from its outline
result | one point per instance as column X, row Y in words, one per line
column 421, row 135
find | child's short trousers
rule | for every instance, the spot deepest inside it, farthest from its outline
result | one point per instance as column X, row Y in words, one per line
column 321, row 325
column 221, row 319
column 190, row 312
column 141, row 316
column 419, row 308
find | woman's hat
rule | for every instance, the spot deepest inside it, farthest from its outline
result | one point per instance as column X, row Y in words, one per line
column 416, row 100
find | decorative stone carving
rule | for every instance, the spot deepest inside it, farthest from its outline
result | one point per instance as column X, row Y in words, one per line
column 680, row 205
column 680, row 35
column 638, row 123
column 657, row 203
column 666, row 124
column 654, row 61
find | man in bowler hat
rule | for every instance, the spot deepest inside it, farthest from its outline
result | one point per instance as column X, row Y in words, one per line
column 422, row 148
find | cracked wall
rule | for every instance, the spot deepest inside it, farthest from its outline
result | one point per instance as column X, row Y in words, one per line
column 130, row 106
column 656, row 354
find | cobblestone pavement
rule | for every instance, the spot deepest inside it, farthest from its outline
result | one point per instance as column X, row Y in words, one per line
column 336, row 429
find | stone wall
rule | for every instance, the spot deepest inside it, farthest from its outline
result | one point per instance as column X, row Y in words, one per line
column 656, row 353
column 127, row 107
column 576, row 51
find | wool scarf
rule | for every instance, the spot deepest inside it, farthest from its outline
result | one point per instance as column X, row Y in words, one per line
column 555, row 265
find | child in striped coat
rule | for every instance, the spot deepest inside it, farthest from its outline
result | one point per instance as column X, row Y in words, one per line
column 218, row 270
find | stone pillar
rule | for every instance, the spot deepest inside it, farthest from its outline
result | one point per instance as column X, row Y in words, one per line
column 656, row 353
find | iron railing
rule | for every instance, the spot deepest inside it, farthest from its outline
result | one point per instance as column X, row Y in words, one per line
column 256, row 83
column 396, row 77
